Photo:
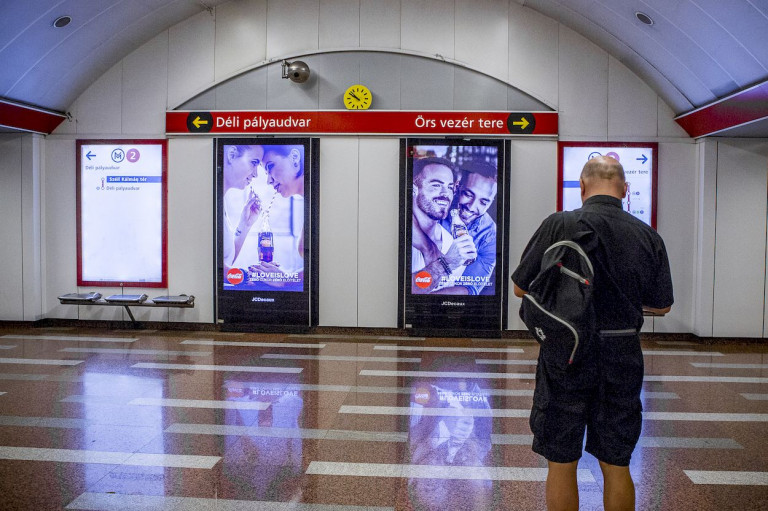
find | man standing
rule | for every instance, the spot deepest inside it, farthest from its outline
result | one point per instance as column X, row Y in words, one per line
column 602, row 393
column 436, row 258
column 475, row 194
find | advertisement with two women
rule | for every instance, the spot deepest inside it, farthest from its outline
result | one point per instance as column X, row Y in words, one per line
column 260, row 225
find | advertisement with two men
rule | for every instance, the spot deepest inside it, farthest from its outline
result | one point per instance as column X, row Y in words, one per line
column 453, row 229
column 454, row 196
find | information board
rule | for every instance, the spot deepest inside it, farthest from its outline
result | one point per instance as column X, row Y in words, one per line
column 639, row 161
column 121, row 213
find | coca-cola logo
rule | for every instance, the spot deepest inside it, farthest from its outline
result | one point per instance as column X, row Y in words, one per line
column 235, row 276
column 423, row 279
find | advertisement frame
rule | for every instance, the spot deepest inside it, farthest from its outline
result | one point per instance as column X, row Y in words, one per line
column 249, row 309
column 436, row 314
column 163, row 143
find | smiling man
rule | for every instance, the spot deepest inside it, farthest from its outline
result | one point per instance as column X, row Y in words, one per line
column 437, row 260
column 475, row 195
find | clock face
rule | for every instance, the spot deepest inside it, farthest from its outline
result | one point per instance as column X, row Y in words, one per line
column 358, row 97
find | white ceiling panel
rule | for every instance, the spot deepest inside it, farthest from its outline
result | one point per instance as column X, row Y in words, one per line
column 696, row 52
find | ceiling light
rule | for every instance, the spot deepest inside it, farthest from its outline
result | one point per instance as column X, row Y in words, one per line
column 62, row 21
column 644, row 18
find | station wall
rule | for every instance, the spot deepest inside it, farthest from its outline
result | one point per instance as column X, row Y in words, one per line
column 512, row 47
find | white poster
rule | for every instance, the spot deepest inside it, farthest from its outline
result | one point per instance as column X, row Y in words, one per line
column 638, row 170
column 121, row 213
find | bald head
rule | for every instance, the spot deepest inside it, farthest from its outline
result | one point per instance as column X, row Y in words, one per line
column 602, row 175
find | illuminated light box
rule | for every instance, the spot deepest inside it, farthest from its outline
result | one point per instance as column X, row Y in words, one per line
column 121, row 213
column 640, row 162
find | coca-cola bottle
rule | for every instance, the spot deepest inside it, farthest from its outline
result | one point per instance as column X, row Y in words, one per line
column 266, row 245
column 459, row 228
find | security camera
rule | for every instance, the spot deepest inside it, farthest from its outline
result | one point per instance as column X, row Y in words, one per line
column 296, row 71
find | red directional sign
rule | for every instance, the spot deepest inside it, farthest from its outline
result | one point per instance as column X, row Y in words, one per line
column 381, row 122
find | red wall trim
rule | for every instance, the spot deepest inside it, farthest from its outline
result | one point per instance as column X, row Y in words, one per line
column 28, row 118
column 735, row 110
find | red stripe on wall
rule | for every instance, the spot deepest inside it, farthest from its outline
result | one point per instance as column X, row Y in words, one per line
column 736, row 110
column 28, row 118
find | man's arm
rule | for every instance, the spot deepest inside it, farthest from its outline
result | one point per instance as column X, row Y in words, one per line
column 519, row 292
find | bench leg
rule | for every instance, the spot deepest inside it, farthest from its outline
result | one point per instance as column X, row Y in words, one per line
column 130, row 314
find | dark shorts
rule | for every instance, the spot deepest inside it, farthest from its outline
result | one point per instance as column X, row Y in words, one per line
column 601, row 395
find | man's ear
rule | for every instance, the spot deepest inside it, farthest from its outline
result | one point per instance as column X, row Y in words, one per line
column 582, row 188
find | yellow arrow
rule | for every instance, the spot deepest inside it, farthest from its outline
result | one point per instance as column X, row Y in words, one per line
column 523, row 123
column 198, row 121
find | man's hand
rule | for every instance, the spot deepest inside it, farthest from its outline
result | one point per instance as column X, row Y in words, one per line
column 656, row 312
column 463, row 249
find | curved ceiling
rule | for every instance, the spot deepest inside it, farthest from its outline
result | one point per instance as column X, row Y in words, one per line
column 695, row 52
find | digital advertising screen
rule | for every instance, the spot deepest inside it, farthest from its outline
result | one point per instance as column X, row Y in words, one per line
column 263, row 188
column 454, row 201
column 639, row 161
column 121, row 213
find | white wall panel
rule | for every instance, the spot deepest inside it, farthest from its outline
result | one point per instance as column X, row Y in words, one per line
column 482, row 38
column 667, row 125
column 676, row 222
column 11, row 283
column 532, row 197
column 59, row 217
column 339, row 24
column 338, row 231
column 31, row 182
column 379, row 234
column 428, row 26
column 292, row 27
column 632, row 105
column 740, row 238
column 706, row 199
column 380, row 23
column 241, row 36
column 145, row 85
column 190, row 57
column 190, row 226
column 99, row 108
column 583, row 80
column 533, row 53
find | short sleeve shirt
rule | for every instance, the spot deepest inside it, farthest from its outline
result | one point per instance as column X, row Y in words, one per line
column 629, row 252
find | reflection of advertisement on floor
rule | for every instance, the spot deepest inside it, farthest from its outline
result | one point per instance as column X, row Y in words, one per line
column 453, row 232
column 263, row 217
column 266, row 458
column 450, row 426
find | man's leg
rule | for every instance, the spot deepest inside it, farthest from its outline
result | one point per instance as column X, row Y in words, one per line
column 562, row 488
column 619, row 491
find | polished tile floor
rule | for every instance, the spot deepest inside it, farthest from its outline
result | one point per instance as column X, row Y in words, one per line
column 166, row 420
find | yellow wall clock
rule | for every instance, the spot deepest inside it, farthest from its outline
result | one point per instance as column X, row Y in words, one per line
column 358, row 97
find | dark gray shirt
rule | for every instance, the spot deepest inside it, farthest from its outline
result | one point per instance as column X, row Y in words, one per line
column 629, row 253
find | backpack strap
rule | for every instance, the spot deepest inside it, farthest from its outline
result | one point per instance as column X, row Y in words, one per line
column 589, row 244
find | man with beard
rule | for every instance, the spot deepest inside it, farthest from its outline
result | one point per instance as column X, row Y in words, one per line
column 475, row 194
column 436, row 258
